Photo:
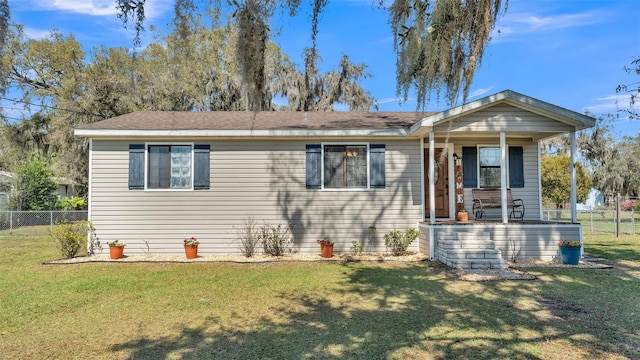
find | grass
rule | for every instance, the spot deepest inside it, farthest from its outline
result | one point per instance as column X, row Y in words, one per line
column 313, row 310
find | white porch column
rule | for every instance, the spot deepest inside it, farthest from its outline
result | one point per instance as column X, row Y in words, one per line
column 432, row 185
column 574, row 195
column 423, row 183
column 503, row 177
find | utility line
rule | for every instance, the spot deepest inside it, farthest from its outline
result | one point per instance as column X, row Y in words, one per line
column 51, row 107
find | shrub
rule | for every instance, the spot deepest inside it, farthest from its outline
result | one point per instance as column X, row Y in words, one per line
column 275, row 239
column 356, row 247
column 399, row 241
column 248, row 235
column 70, row 237
column 629, row 205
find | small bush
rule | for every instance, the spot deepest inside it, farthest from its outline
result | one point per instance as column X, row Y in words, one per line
column 399, row 241
column 629, row 205
column 275, row 239
column 248, row 235
column 356, row 247
column 70, row 237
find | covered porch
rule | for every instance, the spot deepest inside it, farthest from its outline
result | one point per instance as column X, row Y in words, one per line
column 492, row 143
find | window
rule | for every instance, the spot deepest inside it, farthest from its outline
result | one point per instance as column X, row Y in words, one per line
column 484, row 162
column 169, row 166
column 345, row 166
column 489, row 167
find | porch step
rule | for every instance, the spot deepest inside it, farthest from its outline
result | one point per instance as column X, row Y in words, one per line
column 467, row 250
column 477, row 263
column 467, row 244
column 479, row 236
column 474, row 254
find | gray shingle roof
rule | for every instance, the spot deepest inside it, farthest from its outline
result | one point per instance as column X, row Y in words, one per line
column 244, row 120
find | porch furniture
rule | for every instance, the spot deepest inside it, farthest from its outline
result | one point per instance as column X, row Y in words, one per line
column 491, row 199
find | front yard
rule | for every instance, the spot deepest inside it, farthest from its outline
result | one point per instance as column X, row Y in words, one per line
column 313, row 310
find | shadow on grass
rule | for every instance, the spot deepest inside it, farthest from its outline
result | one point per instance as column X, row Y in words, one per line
column 377, row 312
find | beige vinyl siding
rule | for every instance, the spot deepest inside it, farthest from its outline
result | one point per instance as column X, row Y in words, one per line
column 529, row 194
column 263, row 179
column 503, row 118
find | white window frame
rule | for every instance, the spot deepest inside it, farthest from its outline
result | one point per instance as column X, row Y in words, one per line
column 478, row 146
column 342, row 143
column 146, row 164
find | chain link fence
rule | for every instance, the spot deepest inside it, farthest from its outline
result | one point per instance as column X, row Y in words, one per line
column 599, row 221
column 11, row 221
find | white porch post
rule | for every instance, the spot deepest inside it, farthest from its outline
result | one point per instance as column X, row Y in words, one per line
column 574, row 195
column 423, row 183
column 503, row 177
column 432, row 185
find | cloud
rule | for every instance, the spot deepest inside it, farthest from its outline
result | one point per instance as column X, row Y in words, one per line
column 152, row 8
column 93, row 7
column 610, row 104
column 36, row 34
column 517, row 23
column 479, row 92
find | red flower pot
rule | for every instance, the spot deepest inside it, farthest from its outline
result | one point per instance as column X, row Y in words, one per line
column 115, row 252
column 327, row 251
column 191, row 251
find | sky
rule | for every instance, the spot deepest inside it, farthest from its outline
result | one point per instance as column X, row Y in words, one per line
column 571, row 53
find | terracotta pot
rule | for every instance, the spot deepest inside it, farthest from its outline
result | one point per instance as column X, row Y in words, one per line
column 116, row 252
column 327, row 251
column 191, row 251
column 463, row 216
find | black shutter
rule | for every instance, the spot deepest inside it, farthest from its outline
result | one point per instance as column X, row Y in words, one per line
column 516, row 167
column 377, row 171
column 314, row 167
column 136, row 167
column 201, row 164
column 470, row 166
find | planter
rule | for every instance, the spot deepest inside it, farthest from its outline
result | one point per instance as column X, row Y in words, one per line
column 191, row 251
column 115, row 252
column 463, row 216
column 570, row 254
column 326, row 250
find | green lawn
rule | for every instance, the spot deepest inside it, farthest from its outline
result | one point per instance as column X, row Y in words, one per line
column 313, row 310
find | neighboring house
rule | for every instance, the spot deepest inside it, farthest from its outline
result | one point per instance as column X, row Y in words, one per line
column 66, row 187
column 594, row 200
column 165, row 176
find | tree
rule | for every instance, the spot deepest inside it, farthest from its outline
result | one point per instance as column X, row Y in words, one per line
column 439, row 43
column 632, row 89
column 556, row 180
column 34, row 187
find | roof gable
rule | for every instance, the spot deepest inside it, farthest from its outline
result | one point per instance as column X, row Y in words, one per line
column 556, row 118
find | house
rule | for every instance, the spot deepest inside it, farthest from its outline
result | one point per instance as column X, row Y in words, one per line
column 66, row 187
column 159, row 177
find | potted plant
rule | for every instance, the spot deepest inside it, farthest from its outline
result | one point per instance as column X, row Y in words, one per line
column 570, row 251
column 326, row 247
column 191, row 247
column 116, row 249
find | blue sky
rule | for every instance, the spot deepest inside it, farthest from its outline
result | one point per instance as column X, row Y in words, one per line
column 567, row 52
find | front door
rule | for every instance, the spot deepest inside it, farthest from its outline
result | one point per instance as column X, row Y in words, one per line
column 441, row 183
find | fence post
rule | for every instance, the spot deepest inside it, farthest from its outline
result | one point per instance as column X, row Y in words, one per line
column 51, row 219
column 10, row 222
column 617, row 215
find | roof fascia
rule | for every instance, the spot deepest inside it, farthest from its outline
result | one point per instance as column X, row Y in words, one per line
column 92, row 133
